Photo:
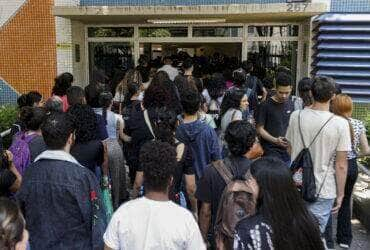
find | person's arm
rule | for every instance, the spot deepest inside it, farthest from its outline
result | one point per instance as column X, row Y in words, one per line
column 341, row 165
column 139, row 179
column 364, row 145
column 190, row 190
column 105, row 164
column 275, row 140
column 17, row 183
column 205, row 219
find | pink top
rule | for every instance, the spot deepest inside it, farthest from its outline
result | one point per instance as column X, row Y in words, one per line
column 229, row 84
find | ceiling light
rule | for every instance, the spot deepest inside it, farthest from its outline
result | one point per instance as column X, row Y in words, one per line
column 186, row 21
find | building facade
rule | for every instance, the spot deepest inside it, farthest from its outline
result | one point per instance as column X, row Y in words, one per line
column 98, row 38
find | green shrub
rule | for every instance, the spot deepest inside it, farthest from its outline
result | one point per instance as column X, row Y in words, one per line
column 366, row 161
column 8, row 115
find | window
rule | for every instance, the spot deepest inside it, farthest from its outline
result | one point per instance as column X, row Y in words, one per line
column 273, row 31
column 163, row 32
column 110, row 31
column 217, row 31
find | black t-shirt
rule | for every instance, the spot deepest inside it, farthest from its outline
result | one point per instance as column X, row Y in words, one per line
column 90, row 154
column 140, row 134
column 211, row 186
column 7, row 179
column 184, row 167
column 274, row 117
column 37, row 146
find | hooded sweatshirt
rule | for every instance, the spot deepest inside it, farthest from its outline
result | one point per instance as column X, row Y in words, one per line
column 203, row 141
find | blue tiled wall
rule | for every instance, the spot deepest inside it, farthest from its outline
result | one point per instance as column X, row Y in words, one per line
column 172, row 2
column 7, row 94
column 350, row 5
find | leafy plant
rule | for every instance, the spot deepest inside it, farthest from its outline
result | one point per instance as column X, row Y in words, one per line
column 8, row 115
column 366, row 161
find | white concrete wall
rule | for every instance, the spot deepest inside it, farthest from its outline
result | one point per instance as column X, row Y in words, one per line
column 63, row 29
column 66, row 2
column 8, row 9
column 79, row 68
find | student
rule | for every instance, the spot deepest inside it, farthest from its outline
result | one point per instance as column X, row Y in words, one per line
column 70, row 204
column 14, row 235
column 282, row 221
column 273, row 119
column 76, row 95
column 304, row 90
column 164, row 127
column 35, row 99
column 233, row 105
column 62, row 83
column 153, row 221
column 33, row 118
column 87, row 149
column 342, row 106
column 53, row 105
column 241, row 139
column 328, row 151
column 168, row 68
column 200, row 137
column 115, row 126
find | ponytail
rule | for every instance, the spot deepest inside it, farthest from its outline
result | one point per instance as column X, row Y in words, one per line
column 105, row 101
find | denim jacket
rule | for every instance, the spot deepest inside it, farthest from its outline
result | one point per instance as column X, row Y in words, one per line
column 62, row 204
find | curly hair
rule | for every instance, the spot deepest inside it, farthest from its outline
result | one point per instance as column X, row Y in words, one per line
column 157, row 95
column 164, row 125
column 32, row 117
column 232, row 99
column 216, row 86
column 240, row 137
column 62, row 83
column 12, row 224
column 158, row 160
column 85, row 123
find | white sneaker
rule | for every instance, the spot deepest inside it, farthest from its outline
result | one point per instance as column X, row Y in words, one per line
column 344, row 246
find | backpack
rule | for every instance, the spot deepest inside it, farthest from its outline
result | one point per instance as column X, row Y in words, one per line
column 236, row 203
column 21, row 151
column 302, row 168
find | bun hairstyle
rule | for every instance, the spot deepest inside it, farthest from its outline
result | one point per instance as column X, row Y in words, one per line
column 105, row 100
column 12, row 224
column 165, row 125
column 32, row 117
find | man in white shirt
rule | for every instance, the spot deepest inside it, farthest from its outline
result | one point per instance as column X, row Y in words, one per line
column 153, row 221
column 331, row 145
column 168, row 68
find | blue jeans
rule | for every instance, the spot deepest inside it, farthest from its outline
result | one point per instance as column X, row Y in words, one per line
column 321, row 209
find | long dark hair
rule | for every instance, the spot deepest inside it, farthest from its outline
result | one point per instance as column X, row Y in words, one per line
column 12, row 224
column 62, row 83
column 232, row 99
column 85, row 123
column 132, row 89
column 105, row 100
column 164, row 125
column 304, row 89
column 281, row 206
column 216, row 86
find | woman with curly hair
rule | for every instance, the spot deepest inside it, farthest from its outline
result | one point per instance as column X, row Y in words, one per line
column 88, row 149
column 156, row 96
column 62, row 83
column 233, row 105
column 164, row 127
column 13, row 233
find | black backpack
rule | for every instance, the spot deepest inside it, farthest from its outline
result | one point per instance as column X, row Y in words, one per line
column 302, row 168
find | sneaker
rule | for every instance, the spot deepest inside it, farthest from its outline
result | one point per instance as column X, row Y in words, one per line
column 342, row 245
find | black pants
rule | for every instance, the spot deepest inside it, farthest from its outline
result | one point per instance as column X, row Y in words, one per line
column 344, row 227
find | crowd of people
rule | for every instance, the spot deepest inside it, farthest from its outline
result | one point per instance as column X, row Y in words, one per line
column 172, row 160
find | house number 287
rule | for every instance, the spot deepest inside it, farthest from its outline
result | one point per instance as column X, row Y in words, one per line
column 297, row 7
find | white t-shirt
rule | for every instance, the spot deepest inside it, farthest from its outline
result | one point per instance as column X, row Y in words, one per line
column 144, row 224
column 229, row 116
column 171, row 71
column 333, row 138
